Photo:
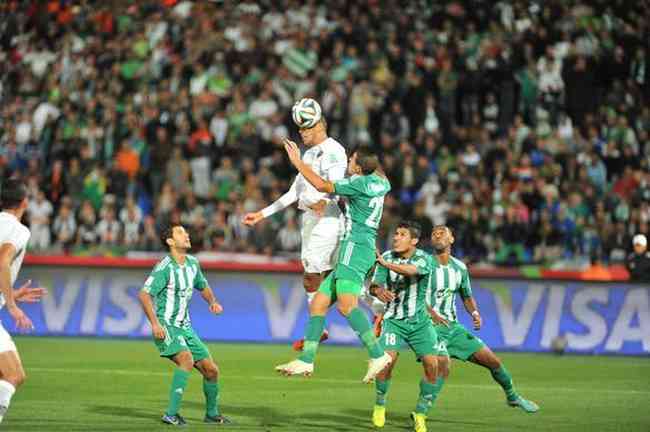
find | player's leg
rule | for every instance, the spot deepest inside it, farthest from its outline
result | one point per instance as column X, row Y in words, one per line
column 347, row 292
column 174, row 347
column 12, row 374
column 391, row 341
column 208, row 368
column 304, row 365
column 423, row 340
column 486, row 358
column 311, row 282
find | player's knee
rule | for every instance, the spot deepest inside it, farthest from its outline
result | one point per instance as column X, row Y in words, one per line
column 15, row 376
column 444, row 366
column 430, row 365
column 345, row 308
column 211, row 372
column 185, row 361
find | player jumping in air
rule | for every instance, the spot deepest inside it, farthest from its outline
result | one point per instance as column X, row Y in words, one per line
column 165, row 299
column 365, row 190
column 13, row 242
column 450, row 276
column 322, row 221
column 401, row 280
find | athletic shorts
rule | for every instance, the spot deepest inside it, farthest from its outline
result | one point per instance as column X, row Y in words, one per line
column 418, row 334
column 6, row 342
column 320, row 240
column 457, row 341
column 355, row 262
column 179, row 339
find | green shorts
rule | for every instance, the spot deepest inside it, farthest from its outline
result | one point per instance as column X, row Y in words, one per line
column 179, row 339
column 419, row 335
column 355, row 262
column 458, row 342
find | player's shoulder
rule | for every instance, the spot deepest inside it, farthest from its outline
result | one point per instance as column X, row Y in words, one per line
column 192, row 259
column 164, row 264
column 458, row 263
column 11, row 226
column 334, row 152
column 422, row 255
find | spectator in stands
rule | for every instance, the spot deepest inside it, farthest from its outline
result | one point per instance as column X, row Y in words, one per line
column 109, row 229
column 638, row 263
column 40, row 212
column 64, row 227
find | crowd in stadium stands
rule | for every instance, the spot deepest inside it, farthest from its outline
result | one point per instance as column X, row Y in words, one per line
column 521, row 124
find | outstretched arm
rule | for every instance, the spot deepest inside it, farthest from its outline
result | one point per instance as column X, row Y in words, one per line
column 317, row 181
column 403, row 269
column 289, row 197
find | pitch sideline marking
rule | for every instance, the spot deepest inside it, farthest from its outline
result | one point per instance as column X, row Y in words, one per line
column 327, row 380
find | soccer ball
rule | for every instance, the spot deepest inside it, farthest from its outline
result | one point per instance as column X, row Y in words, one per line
column 306, row 113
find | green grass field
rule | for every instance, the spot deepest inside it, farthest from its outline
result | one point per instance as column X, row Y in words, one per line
column 114, row 385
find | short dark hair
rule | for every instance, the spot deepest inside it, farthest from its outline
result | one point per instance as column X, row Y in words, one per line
column 367, row 159
column 13, row 193
column 167, row 233
column 415, row 229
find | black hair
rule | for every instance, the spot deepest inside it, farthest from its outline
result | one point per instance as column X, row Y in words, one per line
column 12, row 194
column 167, row 233
column 415, row 229
column 367, row 159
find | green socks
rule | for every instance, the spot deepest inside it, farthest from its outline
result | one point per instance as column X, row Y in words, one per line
column 360, row 324
column 312, row 337
column 426, row 397
column 436, row 389
column 381, row 387
column 211, row 392
column 179, row 382
column 502, row 376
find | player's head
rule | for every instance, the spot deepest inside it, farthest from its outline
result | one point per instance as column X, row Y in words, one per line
column 640, row 244
column 13, row 195
column 363, row 161
column 441, row 239
column 174, row 236
column 406, row 237
column 314, row 135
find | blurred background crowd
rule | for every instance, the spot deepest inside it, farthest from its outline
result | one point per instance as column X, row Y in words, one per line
column 521, row 124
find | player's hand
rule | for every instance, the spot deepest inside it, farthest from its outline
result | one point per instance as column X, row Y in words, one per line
column 292, row 151
column 384, row 295
column 437, row 319
column 319, row 207
column 158, row 332
column 26, row 294
column 477, row 320
column 251, row 219
column 22, row 321
column 216, row 308
column 380, row 260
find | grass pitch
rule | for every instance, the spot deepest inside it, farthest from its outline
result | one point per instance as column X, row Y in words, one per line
column 117, row 385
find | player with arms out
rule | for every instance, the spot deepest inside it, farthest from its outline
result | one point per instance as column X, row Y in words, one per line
column 165, row 299
column 365, row 191
column 14, row 237
column 401, row 280
column 322, row 221
column 450, row 276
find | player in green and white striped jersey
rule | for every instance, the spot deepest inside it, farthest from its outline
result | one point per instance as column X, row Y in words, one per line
column 450, row 276
column 401, row 280
column 166, row 299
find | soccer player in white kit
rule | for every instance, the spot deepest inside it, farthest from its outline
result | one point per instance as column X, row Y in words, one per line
column 322, row 220
column 13, row 242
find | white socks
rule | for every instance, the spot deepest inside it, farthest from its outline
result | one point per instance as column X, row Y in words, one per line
column 7, row 390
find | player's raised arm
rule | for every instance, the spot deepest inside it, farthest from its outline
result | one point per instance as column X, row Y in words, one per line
column 288, row 198
column 378, row 285
column 403, row 269
column 317, row 181
column 7, row 253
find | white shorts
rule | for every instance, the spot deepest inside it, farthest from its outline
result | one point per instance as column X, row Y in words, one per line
column 320, row 241
column 6, row 343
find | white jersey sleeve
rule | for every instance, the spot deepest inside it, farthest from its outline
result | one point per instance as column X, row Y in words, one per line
column 290, row 197
column 16, row 234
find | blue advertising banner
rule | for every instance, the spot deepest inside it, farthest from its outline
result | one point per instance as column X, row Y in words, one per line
column 518, row 315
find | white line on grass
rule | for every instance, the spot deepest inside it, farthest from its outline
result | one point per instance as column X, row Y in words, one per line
column 271, row 377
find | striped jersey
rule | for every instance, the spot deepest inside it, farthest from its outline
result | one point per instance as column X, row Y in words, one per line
column 446, row 281
column 410, row 291
column 365, row 205
column 170, row 285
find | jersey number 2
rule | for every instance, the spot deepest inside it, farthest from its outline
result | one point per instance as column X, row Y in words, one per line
column 376, row 204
